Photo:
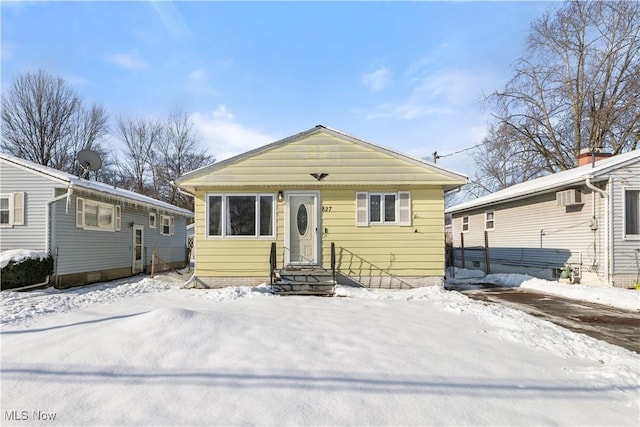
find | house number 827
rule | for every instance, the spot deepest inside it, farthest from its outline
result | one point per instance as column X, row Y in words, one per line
column 326, row 209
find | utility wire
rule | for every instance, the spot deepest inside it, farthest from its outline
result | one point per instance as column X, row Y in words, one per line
column 459, row 151
column 437, row 156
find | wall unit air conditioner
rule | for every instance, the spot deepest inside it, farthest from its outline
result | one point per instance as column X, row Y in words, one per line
column 569, row 198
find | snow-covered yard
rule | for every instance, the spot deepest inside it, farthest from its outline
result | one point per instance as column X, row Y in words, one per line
column 146, row 352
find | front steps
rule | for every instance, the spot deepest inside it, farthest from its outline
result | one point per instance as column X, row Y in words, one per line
column 303, row 281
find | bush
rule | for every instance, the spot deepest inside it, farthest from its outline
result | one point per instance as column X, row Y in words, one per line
column 24, row 273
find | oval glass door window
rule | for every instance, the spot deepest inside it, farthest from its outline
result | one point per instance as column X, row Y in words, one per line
column 303, row 220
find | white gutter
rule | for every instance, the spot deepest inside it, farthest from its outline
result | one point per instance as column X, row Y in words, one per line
column 607, row 226
column 180, row 190
column 602, row 192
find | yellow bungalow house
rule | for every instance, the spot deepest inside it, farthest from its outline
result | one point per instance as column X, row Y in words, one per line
column 316, row 200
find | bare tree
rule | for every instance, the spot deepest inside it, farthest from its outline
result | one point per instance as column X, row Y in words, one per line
column 577, row 86
column 44, row 121
column 179, row 152
column 141, row 138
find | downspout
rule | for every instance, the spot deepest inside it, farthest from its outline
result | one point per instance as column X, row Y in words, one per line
column 66, row 195
column 607, row 236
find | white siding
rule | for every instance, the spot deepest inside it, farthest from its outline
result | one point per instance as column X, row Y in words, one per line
column 624, row 251
column 37, row 191
column 80, row 250
column 537, row 233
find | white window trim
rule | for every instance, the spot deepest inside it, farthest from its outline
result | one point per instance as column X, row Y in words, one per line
column 154, row 223
column 486, row 220
column 81, row 211
column 363, row 213
column 171, row 225
column 463, row 224
column 626, row 236
column 9, row 197
column 223, row 216
column 16, row 208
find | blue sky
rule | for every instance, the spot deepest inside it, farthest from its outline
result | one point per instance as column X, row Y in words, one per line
column 409, row 76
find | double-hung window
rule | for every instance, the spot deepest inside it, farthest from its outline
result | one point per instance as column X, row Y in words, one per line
column 632, row 213
column 11, row 209
column 93, row 215
column 465, row 224
column 241, row 215
column 383, row 208
column 489, row 220
column 167, row 227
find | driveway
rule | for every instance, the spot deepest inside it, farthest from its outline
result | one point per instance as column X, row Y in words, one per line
column 613, row 325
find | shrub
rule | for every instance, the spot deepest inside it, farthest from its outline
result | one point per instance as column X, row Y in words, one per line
column 26, row 272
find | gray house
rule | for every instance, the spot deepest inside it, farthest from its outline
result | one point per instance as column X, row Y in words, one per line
column 587, row 218
column 94, row 231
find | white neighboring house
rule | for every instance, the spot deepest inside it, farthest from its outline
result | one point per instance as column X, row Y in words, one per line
column 587, row 217
column 94, row 231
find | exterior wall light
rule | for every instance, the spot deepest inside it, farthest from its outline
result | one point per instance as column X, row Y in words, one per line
column 280, row 196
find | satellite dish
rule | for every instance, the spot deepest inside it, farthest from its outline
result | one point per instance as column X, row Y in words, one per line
column 89, row 161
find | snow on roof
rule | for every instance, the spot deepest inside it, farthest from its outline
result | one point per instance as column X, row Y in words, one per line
column 550, row 182
column 95, row 186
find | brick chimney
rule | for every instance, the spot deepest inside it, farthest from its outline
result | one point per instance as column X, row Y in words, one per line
column 585, row 156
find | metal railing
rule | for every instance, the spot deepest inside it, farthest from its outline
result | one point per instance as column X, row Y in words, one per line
column 354, row 267
column 349, row 265
column 272, row 263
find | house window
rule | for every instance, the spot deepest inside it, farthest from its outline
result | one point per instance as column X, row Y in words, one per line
column 167, row 227
column 5, row 210
column 92, row 215
column 465, row 224
column 152, row 219
column 383, row 208
column 11, row 209
column 489, row 220
column 632, row 213
column 240, row 215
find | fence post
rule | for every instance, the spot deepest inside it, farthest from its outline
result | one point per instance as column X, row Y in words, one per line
column 462, row 249
column 486, row 252
column 153, row 260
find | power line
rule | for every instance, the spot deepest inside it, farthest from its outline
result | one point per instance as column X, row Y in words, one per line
column 460, row 151
column 437, row 156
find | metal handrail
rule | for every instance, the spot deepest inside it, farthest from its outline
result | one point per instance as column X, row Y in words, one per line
column 364, row 264
column 272, row 263
column 333, row 262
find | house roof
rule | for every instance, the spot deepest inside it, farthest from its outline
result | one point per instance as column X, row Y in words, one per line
column 66, row 179
column 552, row 182
column 317, row 149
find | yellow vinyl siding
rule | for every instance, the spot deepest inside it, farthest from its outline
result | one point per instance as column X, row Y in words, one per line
column 233, row 257
column 345, row 162
column 416, row 250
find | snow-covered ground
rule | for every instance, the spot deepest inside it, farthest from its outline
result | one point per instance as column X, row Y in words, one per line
column 615, row 297
column 147, row 352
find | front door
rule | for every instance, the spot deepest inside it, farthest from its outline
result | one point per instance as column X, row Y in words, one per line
column 138, row 247
column 302, row 229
